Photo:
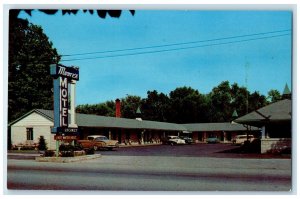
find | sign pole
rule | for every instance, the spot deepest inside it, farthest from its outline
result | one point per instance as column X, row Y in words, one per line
column 57, row 148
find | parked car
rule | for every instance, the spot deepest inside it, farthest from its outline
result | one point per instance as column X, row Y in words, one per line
column 98, row 142
column 240, row 139
column 187, row 140
column 212, row 140
column 173, row 140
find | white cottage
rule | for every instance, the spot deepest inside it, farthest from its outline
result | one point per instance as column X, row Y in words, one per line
column 27, row 130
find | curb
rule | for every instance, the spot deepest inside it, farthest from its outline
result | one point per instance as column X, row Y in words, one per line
column 67, row 159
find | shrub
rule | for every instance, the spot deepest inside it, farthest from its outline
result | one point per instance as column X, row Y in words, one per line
column 66, row 147
column 49, row 153
column 42, row 144
column 66, row 150
column 89, row 151
column 77, row 147
column 250, row 147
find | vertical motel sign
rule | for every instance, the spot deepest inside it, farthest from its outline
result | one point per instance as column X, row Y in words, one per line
column 62, row 77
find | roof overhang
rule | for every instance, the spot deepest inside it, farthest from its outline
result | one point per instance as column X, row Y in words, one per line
column 261, row 123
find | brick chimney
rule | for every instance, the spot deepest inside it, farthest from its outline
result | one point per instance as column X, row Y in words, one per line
column 118, row 108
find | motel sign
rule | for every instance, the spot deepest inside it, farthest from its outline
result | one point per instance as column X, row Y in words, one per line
column 63, row 77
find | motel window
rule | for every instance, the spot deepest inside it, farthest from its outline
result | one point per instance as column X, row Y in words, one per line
column 29, row 132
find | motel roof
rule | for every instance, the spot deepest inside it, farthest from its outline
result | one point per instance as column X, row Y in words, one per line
column 89, row 120
column 280, row 111
column 216, row 127
column 86, row 120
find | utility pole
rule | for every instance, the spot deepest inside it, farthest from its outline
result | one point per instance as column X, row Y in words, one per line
column 247, row 65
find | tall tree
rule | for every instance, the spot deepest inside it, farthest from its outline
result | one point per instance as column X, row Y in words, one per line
column 104, row 109
column 29, row 80
column 155, row 106
column 221, row 109
column 187, row 105
column 129, row 106
column 256, row 101
column 274, row 95
column 240, row 99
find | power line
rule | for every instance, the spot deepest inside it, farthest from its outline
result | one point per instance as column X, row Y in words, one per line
column 174, row 49
column 175, row 44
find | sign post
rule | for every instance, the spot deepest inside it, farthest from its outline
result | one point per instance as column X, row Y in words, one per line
column 62, row 77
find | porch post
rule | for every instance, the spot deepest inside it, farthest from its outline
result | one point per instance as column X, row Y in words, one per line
column 263, row 132
column 142, row 137
column 109, row 134
column 72, row 105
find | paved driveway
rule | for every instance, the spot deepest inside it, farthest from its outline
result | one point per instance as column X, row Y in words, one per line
column 194, row 150
column 199, row 167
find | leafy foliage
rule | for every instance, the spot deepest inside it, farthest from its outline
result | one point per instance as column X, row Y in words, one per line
column 42, row 144
column 105, row 109
column 30, row 55
column 185, row 105
column 130, row 105
column 101, row 13
column 29, row 80
column 274, row 95
column 221, row 102
column 155, row 106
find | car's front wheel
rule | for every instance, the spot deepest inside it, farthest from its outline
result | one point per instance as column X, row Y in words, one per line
column 95, row 148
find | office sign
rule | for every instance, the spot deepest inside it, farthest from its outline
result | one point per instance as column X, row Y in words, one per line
column 65, row 137
column 58, row 70
column 68, row 130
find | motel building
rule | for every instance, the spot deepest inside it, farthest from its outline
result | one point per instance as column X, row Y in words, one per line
column 26, row 130
column 271, row 123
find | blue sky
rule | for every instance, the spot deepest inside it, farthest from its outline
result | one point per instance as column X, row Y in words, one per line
column 264, row 59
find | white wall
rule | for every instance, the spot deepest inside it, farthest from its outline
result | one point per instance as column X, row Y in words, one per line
column 273, row 145
column 41, row 127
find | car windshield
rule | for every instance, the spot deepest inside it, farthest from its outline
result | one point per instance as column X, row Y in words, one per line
column 101, row 138
column 97, row 138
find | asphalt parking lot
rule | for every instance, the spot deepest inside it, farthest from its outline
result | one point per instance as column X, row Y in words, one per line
column 219, row 150
column 194, row 150
column 197, row 167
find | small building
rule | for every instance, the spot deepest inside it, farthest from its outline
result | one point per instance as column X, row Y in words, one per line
column 27, row 129
column 275, row 122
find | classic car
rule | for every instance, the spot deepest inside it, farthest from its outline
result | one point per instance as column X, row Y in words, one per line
column 187, row 140
column 240, row 139
column 173, row 140
column 212, row 140
column 98, row 142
